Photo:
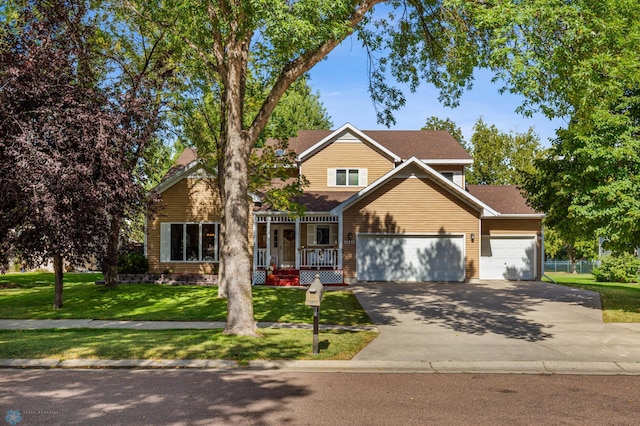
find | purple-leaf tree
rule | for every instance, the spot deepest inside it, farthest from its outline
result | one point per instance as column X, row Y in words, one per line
column 64, row 141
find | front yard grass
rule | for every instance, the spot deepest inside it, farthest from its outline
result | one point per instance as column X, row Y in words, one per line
column 276, row 344
column 620, row 302
column 30, row 296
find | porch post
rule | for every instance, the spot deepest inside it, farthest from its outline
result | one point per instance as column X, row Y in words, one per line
column 255, row 242
column 268, row 255
column 297, row 243
column 340, row 240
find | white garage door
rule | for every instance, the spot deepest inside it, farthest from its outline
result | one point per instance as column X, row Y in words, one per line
column 508, row 258
column 410, row 258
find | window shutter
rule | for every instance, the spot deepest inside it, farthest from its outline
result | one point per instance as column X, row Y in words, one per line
column 311, row 235
column 165, row 242
column 331, row 177
column 363, row 177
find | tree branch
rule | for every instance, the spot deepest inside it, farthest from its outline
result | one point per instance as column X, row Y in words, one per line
column 298, row 66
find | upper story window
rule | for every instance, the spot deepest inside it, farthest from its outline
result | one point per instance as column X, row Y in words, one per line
column 347, row 177
column 448, row 175
column 456, row 177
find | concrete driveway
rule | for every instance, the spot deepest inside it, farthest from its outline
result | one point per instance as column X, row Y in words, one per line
column 492, row 321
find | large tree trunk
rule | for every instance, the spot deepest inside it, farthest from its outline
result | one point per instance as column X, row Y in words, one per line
column 235, row 248
column 110, row 261
column 58, row 268
column 235, row 252
column 571, row 255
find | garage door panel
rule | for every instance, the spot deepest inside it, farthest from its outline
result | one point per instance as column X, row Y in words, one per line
column 507, row 258
column 410, row 258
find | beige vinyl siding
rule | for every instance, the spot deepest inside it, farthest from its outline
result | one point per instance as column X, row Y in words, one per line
column 352, row 155
column 515, row 226
column 189, row 200
column 413, row 206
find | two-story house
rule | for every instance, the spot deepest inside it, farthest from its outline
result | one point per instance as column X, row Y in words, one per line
column 381, row 205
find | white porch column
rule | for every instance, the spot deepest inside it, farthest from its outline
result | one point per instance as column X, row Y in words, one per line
column 297, row 243
column 340, row 241
column 255, row 242
column 268, row 255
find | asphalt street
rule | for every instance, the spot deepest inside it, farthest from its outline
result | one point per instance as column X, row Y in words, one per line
column 273, row 397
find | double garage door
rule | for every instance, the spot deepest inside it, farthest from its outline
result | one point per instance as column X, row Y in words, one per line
column 410, row 257
column 508, row 258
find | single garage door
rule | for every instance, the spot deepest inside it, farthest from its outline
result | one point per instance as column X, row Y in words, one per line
column 508, row 258
column 410, row 257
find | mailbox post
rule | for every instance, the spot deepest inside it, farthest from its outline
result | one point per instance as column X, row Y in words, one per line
column 314, row 298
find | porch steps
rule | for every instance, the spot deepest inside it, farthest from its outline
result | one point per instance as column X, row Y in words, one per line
column 284, row 277
column 291, row 278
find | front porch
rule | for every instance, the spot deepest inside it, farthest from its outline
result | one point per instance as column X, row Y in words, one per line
column 281, row 258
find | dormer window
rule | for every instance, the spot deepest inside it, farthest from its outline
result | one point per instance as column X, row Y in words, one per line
column 347, row 177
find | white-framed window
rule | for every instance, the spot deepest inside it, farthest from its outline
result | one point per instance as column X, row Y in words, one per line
column 347, row 177
column 322, row 234
column 189, row 242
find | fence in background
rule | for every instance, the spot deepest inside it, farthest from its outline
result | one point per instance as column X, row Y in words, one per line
column 581, row 267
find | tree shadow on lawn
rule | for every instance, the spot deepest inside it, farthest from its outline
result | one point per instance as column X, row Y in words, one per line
column 150, row 396
column 471, row 308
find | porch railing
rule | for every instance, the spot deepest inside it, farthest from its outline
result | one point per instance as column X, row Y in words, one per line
column 309, row 258
column 261, row 258
column 325, row 258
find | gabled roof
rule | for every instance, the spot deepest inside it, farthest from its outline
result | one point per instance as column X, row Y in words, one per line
column 454, row 189
column 431, row 146
column 506, row 199
column 344, row 130
column 186, row 164
column 188, row 156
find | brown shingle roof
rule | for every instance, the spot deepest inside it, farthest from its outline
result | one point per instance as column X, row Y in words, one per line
column 322, row 201
column 423, row 144
column 188, row 156
column 506, row 199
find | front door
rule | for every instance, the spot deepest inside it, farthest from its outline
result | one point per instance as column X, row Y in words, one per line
column 283, row 245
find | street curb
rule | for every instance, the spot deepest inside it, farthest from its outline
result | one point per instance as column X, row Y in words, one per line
column 346, row 366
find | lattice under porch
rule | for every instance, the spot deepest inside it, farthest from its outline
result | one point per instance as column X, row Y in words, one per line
column 298, row 277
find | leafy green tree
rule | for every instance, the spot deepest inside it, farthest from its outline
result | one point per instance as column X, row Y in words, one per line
column 560, row 55
column 577, row 60
column 588, row 183
column 500, row 158
column 299, row 109
column 243, row 56
column 436, row 123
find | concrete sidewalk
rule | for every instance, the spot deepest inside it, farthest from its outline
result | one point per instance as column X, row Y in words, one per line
column 157, row 325
column 491, row 327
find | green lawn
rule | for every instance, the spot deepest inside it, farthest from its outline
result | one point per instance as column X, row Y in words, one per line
column 30, row 296
column 276, row 344
column 620, row 302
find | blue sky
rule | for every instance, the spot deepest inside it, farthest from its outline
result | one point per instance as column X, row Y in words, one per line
column 342, row 82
